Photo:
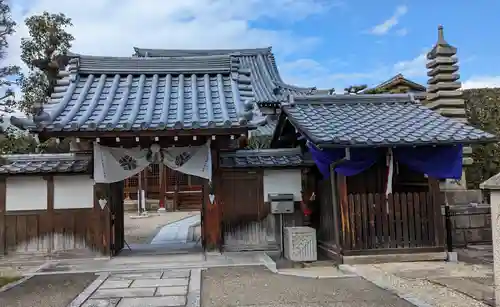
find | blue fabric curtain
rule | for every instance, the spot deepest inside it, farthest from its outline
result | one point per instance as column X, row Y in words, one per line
column 360, row 160
column 440, row 162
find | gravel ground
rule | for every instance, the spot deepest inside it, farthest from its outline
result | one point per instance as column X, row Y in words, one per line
column 433, row 283
column 256, row 286
column 46, row 291
column 142, row 230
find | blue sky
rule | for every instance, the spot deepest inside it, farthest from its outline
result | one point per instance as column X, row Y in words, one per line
column 324, row 43
column 347, row 46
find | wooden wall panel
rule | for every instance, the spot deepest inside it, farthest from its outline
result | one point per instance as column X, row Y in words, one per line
column 50, row 232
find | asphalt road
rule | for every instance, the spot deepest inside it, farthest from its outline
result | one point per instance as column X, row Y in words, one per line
column 46, row 290
column 256, row 286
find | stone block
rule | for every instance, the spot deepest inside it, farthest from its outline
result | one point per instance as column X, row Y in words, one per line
column 461, row 221
column 472, row 235
column 459, row 237
column 463, row 197
column 115, row 284
column 175, row 274
column 487, row 220
column 486, row 235
column 105, row 302
column 138, row 275
column 140, row 283
column 163, row 301
column 116, row 293
column 169, row 291
column 477, row 221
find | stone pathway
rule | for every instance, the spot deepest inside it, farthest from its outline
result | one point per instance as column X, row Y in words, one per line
column 443, row 284
column 177, row 232
column 476, row 254
column 140, row 289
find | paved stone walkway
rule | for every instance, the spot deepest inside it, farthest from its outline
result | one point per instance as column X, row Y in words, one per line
column 443, row 284
column 140, row 289
column 177, row 232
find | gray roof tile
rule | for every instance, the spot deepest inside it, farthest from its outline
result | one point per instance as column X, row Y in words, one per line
column 137, row 95
column 148, row 52
column 135, row 65
column 260, row 80
column 263, row 158
column 376, row 120
column 266, row 129
column 180, row 89
column 44, row 164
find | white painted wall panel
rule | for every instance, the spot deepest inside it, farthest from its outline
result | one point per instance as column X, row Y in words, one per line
column 283, row 182
column 26, row 193
column 73, row 192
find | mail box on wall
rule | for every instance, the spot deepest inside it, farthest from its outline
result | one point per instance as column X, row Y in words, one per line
column 281, row 203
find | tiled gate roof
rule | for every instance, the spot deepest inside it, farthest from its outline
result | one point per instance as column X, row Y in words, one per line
column 259, row 64
column 117, row 94
column 167, row 89
column 44, row 164
column 283, row 157
column 376, row 120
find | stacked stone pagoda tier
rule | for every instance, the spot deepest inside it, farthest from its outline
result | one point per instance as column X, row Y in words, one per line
column 444, row 94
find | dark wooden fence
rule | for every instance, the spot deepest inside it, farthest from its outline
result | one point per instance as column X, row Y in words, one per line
column 400, row 221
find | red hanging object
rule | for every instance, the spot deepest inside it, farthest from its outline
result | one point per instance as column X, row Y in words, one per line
column 305, row 210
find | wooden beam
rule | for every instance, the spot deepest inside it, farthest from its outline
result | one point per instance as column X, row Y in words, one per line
column 145, row 133
column 163, row 184
column 50, row 209
column 344, row 212
column 335, row 207
column 437, row 201
column 3, row 202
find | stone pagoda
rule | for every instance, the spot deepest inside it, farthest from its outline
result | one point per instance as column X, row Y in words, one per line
column 444, row 94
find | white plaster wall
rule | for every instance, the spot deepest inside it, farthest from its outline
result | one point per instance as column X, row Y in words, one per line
column 26, row 193
column 73, row 192
column 495, row 227
column 54, row 243
column 283, row 182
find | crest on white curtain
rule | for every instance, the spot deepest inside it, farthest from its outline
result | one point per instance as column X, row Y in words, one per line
column 112, row 164
column 155, row 154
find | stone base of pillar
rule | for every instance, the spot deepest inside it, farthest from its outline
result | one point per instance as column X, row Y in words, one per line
column 453, row 184
column 452, row 257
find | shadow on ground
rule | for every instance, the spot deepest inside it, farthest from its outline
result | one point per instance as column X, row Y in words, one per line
column 256, row 286
column 46, row 291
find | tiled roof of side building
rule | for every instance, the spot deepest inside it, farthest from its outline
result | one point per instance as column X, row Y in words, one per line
column 267, row 128
column 44, row 164
column 260, row 64
column 376, row 120
column 283, row 157
column 113, row 94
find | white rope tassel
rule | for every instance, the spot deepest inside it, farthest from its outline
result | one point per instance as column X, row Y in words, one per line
column 390, row 177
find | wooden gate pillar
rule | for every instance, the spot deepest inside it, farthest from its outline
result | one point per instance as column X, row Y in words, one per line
column 212, row 213
column 3, row 201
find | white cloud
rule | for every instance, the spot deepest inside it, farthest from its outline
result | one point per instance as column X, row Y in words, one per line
column 413, row 68
column 482, row 82
column 113, row 27
column 308, row 72
column 384, row 27
column 402, row 32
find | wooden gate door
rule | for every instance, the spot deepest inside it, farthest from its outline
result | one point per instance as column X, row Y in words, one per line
column 117, row 231
column 247, row 222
